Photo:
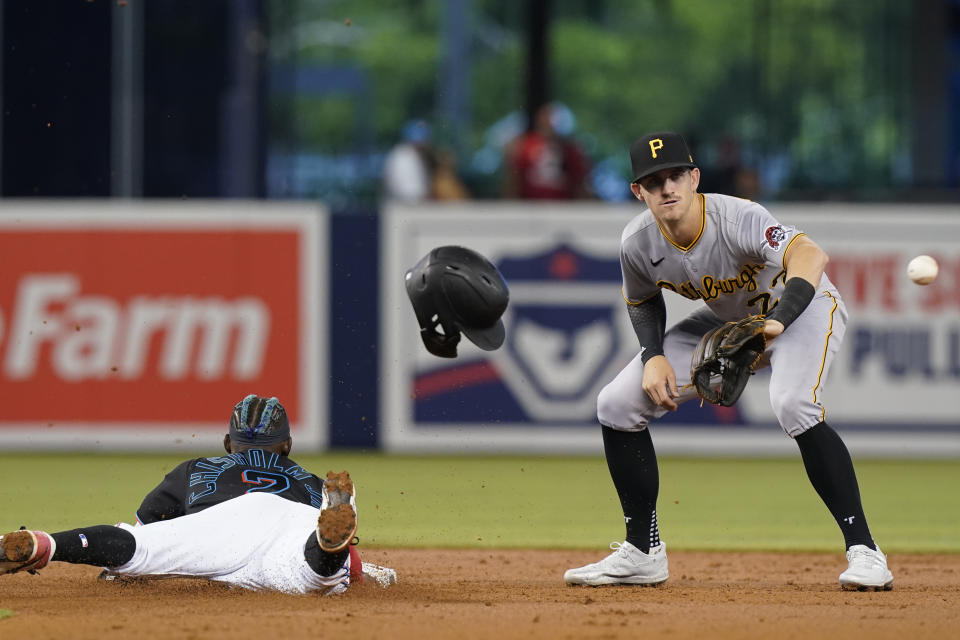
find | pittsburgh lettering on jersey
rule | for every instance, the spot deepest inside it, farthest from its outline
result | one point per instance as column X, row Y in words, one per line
column 780, row 277
column 711, row 287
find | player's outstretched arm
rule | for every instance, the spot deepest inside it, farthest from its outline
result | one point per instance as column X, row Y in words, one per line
column 804, row 263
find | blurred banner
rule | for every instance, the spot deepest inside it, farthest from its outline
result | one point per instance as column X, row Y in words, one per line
column 129, row 325
column 893, row 391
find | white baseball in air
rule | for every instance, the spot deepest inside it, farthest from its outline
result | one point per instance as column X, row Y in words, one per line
column 923, row 269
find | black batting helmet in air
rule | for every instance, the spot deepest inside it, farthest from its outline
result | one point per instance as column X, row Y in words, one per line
column 457, row 290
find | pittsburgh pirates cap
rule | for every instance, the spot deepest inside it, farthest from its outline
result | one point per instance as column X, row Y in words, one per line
column 659, row 150
column 259, row 421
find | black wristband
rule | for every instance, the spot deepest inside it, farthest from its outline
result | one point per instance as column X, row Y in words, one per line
column 649, row 318
column 797, row 294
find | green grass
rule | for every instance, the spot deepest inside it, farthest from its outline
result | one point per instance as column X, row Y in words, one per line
column 527, row 501
column 6, row 613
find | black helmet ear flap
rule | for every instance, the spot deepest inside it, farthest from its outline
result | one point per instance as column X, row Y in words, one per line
column 432, row 316
column 440, row 344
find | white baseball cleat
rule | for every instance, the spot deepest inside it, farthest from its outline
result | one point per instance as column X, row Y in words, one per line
column 867, row 571
column 383, row 576
column 626, row 565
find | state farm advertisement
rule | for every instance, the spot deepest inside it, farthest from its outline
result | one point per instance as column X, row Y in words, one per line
column 134, row 325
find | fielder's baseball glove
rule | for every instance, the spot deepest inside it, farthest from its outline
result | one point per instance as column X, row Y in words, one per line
column 730, row 351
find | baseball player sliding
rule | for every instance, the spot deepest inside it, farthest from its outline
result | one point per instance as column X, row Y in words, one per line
column 740, row 261
column 252, row 518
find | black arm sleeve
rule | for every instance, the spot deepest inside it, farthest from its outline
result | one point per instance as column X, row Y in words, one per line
column 649, row 319
column 166, row 499
column 797, row 295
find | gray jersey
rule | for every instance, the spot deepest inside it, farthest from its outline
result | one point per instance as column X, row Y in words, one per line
column 735, row 264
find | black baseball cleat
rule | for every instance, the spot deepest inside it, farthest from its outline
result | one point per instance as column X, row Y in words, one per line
column 337, row 524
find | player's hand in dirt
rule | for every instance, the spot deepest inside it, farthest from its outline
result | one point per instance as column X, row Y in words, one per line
column 660, row 382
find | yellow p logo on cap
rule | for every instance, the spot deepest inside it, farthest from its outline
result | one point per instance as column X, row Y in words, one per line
column 655, row 144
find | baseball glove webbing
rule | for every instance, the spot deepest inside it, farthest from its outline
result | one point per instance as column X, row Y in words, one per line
column 730, row 351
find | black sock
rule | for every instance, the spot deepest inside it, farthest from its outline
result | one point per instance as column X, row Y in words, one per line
column 323, row 563
column 632, row 462
column 830, row 470
column 100, row 545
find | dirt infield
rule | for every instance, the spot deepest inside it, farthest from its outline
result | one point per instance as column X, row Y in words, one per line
column 506, row 594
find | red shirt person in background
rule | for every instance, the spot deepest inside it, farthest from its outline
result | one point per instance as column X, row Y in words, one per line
column 544, row 165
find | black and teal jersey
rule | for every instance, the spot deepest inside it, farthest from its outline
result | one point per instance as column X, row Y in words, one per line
column 197, row 484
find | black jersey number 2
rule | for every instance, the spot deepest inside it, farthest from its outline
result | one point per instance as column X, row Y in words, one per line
column 266, row 481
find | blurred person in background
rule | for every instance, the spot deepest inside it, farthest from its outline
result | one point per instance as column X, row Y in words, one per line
column 545, row 163
column 446, row 183
column 408, row 169
column 747, row 183
column 729, row 175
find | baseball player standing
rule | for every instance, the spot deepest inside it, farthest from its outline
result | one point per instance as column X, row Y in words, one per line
column 252, row 518
column 733, row 255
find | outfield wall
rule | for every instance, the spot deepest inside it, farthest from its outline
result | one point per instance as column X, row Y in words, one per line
column 136, row 326
column 894, row 389
column 130, row 325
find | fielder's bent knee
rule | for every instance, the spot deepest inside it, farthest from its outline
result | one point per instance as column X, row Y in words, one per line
column 796, row 412
column 796, row 430
column 615, row 413
column 633, row 428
